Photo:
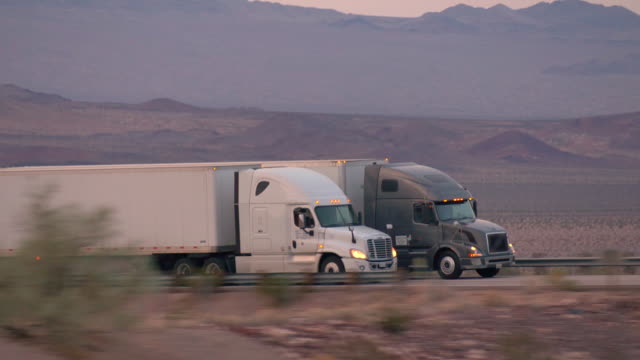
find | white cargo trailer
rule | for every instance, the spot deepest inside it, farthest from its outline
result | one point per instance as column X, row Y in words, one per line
column 216, row 216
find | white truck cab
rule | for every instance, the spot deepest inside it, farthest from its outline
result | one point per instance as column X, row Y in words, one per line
column 297, row 220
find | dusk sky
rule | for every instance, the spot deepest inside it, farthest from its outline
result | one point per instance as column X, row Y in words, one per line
column 413, row 8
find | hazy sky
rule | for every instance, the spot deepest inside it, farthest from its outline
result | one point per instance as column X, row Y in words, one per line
column 413, row 8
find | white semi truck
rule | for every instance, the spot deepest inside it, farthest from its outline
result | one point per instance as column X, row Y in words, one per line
column 233, row 217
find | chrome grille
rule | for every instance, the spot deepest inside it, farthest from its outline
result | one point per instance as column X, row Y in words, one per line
column 498, row 242
column 379, row 249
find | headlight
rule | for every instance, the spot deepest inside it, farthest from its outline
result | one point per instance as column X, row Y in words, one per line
column 357, row 254
column 474, row 252
column 513, row 250
column 394, row 252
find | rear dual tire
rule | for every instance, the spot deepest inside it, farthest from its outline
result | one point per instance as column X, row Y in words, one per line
column 214, row 266
column 184, row 267
column 211, row 266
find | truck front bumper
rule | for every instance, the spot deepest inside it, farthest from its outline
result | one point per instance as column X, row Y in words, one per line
column 357, row 265
column 484, row 262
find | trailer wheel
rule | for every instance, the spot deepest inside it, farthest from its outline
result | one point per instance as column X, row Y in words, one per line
column 214, row 266
column 332, row 264
column 488, row 272
column 449, row 265
column 184, row 267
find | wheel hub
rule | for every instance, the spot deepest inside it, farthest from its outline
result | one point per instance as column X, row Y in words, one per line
column 331, row 268
column 447, row 265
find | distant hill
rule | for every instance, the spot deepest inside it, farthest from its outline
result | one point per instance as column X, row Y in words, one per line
column 520, row 147
column 13, row 92
column 564, row 59
column 166, row 130
column 573, row 14
column 169, row 105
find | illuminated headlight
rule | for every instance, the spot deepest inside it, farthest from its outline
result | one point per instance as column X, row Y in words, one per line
column 357, row 254
column 394, row 252
column 513, row 250
column 473, row 252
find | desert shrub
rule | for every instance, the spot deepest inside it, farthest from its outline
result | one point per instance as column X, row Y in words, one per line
column 539, row 270
column 393, row 320
column 308, row 280
column 510, row 271
column 521, row 346
column 611, row 257
column 585, row 270
column 357, row 349
column 353, row 278
column 628, row 270
column 495, row 299
column 557, row 278
column 50, row 291
column 277, row 289
column 203, row 284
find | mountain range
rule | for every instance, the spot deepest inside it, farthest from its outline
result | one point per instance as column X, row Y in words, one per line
column 46, row 129
column 568, row 58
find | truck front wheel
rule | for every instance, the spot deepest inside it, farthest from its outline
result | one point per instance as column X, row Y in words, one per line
column 332, row 264
column 449, row 265
column 488, row 272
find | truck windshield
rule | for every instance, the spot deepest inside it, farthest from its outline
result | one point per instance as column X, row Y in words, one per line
column 337, row 215
column 460, row 211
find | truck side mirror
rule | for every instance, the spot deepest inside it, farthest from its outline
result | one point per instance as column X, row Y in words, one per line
column 359, row 217
column 475, row 207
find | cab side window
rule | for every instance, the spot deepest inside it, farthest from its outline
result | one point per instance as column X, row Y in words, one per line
column 418, row 213
column 424, row 214
column 389, row 185
column 262, row 186
column 306, row 215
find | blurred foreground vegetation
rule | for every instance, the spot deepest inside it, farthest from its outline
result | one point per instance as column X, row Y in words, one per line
column 49, row 292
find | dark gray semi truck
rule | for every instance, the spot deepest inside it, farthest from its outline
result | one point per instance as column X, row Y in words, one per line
column 429, row 215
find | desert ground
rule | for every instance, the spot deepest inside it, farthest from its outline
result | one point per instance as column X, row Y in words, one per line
column 353, row 322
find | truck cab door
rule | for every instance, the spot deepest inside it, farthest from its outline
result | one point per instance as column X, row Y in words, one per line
column 303, row 241
column 427, row 232
column 267, row 254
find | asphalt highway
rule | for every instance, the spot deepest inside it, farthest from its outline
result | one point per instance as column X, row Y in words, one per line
column 587, row 281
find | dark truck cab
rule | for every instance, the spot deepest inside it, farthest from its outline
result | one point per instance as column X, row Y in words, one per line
column 431, row 217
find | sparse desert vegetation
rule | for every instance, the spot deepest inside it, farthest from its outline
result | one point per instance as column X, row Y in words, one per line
column 572, row 235
column 410, row 323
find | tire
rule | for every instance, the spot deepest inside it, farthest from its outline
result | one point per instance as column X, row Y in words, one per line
column 214, row 265
column 184, row 267
column 449, row 265
column 332, row 264
column 488, row 272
